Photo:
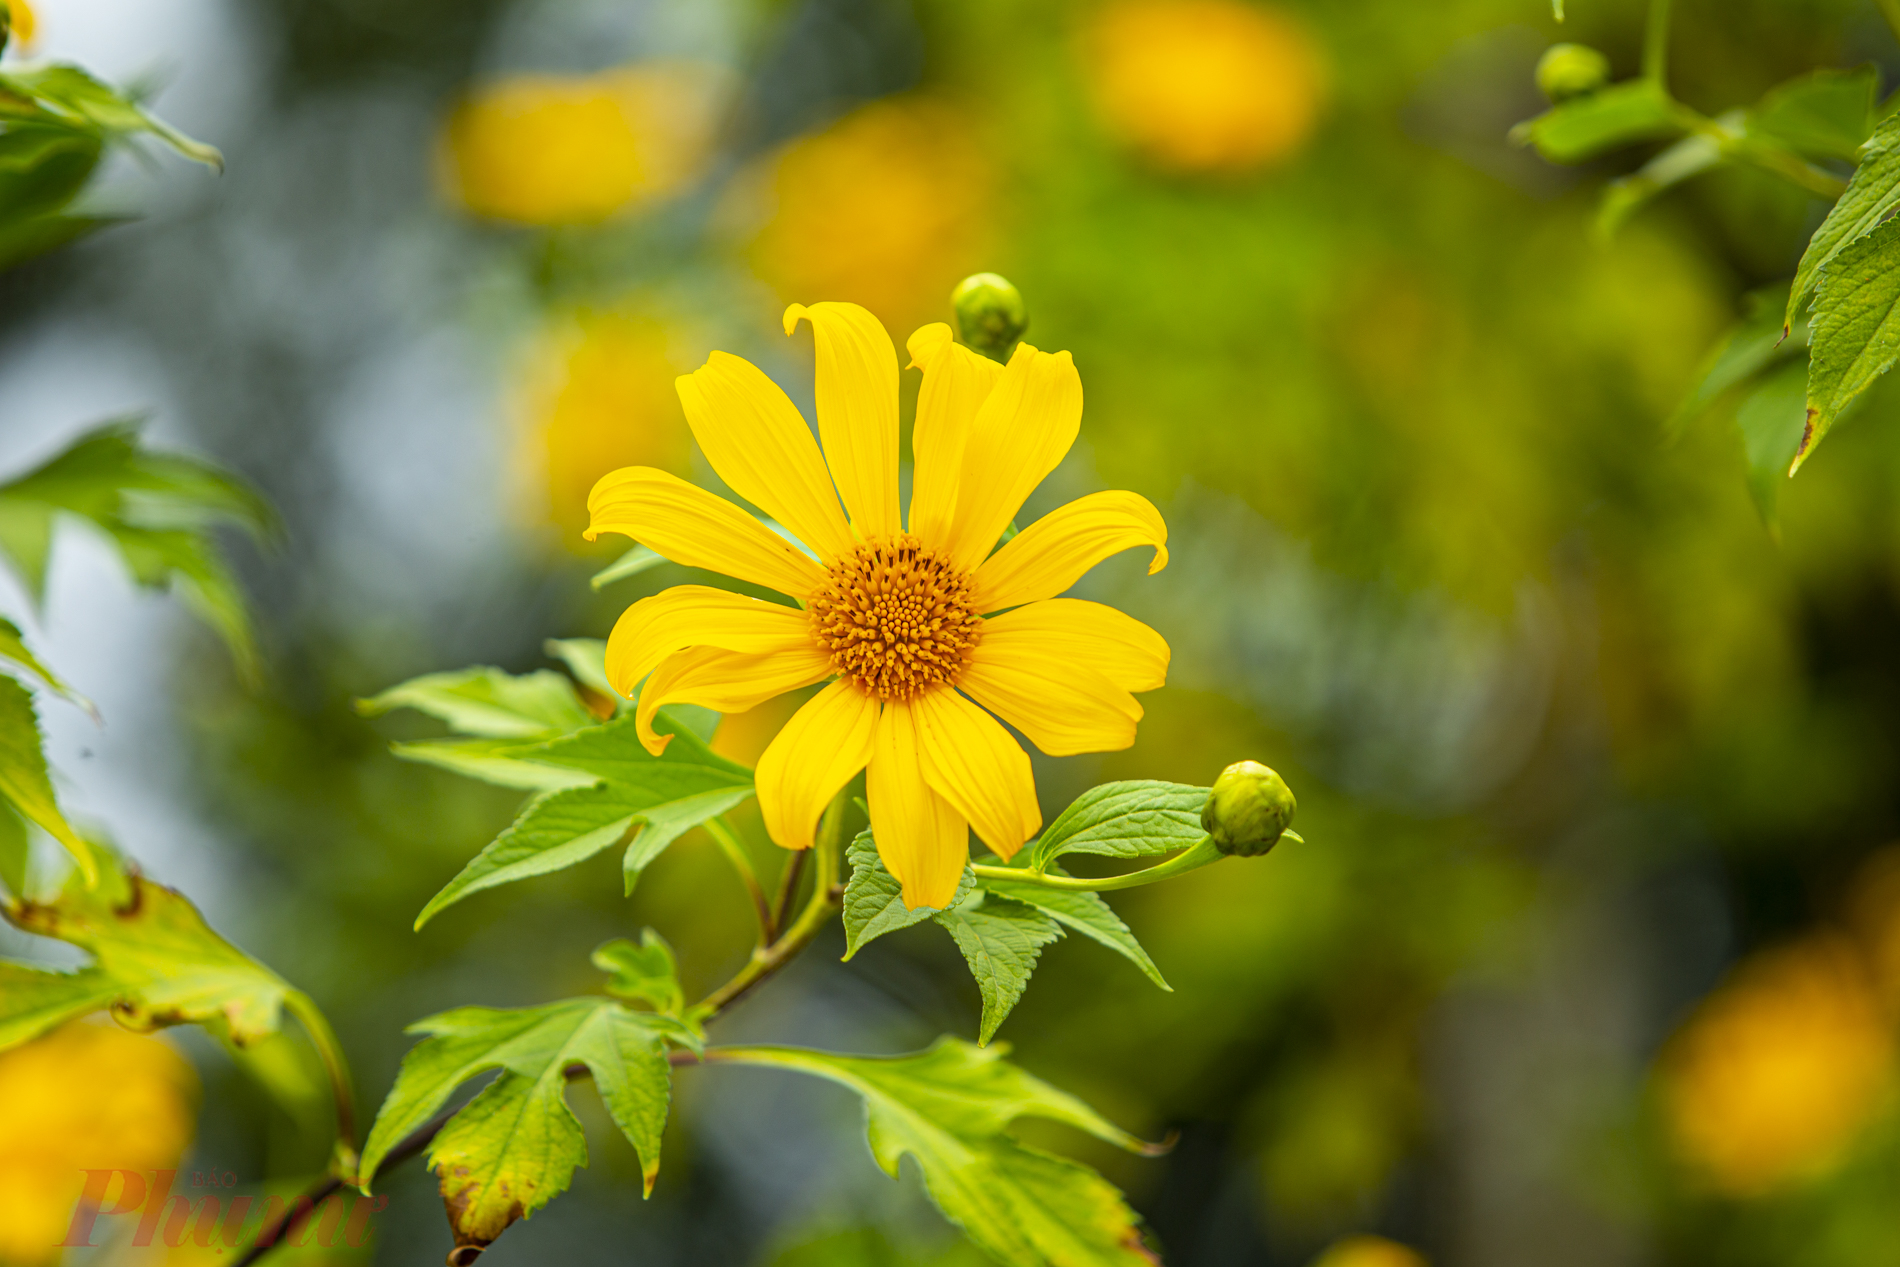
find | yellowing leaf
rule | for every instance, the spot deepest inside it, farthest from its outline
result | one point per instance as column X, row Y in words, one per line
column 23, row 777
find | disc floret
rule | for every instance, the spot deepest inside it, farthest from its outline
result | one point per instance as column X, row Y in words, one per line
column 897, row 618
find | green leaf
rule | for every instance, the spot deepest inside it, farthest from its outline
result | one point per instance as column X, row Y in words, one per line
column 873, row 899
column 515, row 1146
column 33, row 1000
column 155, row 508
column 1752, row 345
column 1001, row 941
column 492, row 761
column 1771, row 421
column 23, row 778
column 632, row 796
column 1872, row 194
column 1131, row 819
column 1823, row 114
column 165, row 964
column 1581, row 129
column 490, row 703
column 632, row 563
column 643, row 973
column 1855, row 329
column 13, row 648
column 1086, row 913
column 1625, row 196
column 586, row 659
column 69, row 93
column 44, row 165
column 949, row 1108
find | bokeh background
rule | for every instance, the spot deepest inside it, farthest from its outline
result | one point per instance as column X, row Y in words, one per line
column 1592, row 955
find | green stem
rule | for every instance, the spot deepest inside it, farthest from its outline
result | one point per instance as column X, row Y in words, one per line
column 1656, row 42
column 826, row 898
column 1203, row 853
column 1890, row 10
column 342, row 1090
column 734, row 849
column 788, row 878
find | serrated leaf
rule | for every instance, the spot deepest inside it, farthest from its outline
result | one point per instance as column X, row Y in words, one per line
column 948, row 1108
column 1086, row 913
column 643, row 973
column 1823, row 114
column 13, row 648
column 1131, row 819
column 1855, row 330
column 1751, row 345
column 1001, row 941
column 1873, row 193
column 490, row 703
column 166, row 965
column 633, row 796
column 155, row 508
column 873, row 899
column 33, row 1000
column 1771, row 421
column 1583, row 128
column 23, row 777
column 515, row 1146
column 632, row 563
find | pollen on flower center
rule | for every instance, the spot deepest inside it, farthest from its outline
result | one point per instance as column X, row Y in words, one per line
column 896, row 618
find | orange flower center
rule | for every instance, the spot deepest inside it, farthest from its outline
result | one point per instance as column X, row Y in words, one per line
column 896, row 618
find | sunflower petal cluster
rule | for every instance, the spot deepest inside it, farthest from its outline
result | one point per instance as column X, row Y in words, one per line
column 925, row 629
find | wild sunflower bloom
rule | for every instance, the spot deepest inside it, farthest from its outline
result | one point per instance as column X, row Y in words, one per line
column 20, row 20
column 919, row 625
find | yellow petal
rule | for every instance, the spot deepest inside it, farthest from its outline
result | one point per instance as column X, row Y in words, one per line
column 1064, row 707
column 1024, row 427
column 826, row 742
column 1051, row 554
column 922, row 839
column 956, row 383
column 729, row 681
column 857, row 410
column 971, row 761
column 1119, row 647
column 757, row 441
column 692, row 616
column 695, row 529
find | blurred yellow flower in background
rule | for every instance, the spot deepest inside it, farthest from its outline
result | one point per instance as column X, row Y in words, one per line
column 887, row 208
column 1779, row 1069
column 20, row 18
column 86, row 1096
column 1369, row 1251
column 598, row 395
column 574, row 149
column 1203, row 85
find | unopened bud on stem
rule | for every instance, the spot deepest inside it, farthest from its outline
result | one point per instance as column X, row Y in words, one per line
column 1248, row 809
column 1567, row 71
column 990, row 314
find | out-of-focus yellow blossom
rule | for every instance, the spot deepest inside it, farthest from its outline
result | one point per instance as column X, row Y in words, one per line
column 599, row 395
column 20, row 19
column 1779, row 1068
column 85, row 1097
column 1369, row 1251
column 887, row 208
column 1203, row 85
column 552, row 149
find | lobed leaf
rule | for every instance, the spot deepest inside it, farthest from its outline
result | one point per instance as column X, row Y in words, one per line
column 24, row 781
column 1086, row 913
column 13, row 648
column 1001, row 940
column 1873, row 193
column 1586, row 127
column 644, row 973
column 948, row 1108
column 490, row 703
column 1131, row 819
column 1855, row 330
column 491, row 761
column 34, row 1000
column 874, row 901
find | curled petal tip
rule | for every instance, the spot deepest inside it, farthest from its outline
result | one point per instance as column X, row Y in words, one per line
column 792, row 316
column 1160, row 560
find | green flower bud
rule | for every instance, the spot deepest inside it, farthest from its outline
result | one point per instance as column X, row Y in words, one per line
column 1247, row 810
column 990, row 314
column 1566, row 71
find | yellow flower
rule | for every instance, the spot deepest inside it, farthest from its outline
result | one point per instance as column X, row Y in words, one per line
column 21, row 19
column 596, row 398
column 895, row 612
column 1369, row 1251
column 886, row 208
column 1778, row 1070
column 1203, row 85
column 550, row 149
column 86, row 1096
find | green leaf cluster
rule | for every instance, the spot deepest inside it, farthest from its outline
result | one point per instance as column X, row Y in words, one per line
column 56, row 123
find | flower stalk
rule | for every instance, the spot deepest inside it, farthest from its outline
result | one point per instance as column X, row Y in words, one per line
column 729, row 844
column 337, row 1066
